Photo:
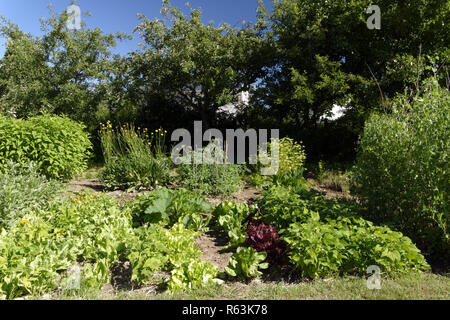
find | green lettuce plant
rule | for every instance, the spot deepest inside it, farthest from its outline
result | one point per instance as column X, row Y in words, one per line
column 245, row 263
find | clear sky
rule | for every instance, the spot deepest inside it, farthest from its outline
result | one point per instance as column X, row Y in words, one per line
column 120, row 15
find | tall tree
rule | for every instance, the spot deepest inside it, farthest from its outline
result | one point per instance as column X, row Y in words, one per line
column 63, row 72
column 200, row 67
column 326, row 55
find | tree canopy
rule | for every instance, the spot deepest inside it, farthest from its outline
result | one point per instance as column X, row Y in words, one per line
column 198, row 66
column 326, row 55
column 306, row 57
column 63, row 72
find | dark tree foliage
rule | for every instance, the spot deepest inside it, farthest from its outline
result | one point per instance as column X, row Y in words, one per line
column 325, row 55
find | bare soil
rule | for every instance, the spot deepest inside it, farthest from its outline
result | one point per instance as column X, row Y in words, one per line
column 210, row 245
column 95, row 185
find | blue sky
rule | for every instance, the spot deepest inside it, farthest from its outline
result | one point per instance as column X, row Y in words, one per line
column 120, row 15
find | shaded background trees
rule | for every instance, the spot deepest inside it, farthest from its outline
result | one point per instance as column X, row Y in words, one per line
column 327, row 56
column 305, row 58
column 187, row 70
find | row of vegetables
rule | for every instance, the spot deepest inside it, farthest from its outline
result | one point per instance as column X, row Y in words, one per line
column 288, row 226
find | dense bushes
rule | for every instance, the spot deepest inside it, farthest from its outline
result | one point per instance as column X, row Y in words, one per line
column 403, row 170
column 23, row 190
column 133, row 159
column 58, row 145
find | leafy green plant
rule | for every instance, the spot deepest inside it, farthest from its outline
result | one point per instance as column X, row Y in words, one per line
column 281, row 207
column 133, row 159
column 245, row 263
column 265, row 238
column 258, row 180
column 230, row 217
column 172, row 250
column 85, row 230
column 149, row 252
column 331, row 208
column 328, row 237
column 193, row 275
column 59, row 146
column 292, row 179
column 349, row 245
column 171, row 206
column 24, row 190
column 403, row 171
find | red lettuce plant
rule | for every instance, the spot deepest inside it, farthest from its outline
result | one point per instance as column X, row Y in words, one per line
column 265, row 238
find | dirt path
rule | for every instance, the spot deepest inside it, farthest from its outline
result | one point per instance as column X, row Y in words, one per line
column 95, row 185
column 210, row 244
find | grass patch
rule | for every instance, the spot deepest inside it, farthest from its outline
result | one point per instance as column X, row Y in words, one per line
column 333, row 176
column 424, row 286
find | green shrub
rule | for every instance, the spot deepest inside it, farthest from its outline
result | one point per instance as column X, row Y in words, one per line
column 210, row 177
column 168, row 207
column 133, row 159
column 403, row 170
column 24, row 190
column 291, row 155
column 84, row 230
column 58, row 145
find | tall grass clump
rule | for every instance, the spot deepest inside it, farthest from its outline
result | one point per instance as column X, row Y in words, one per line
column 134, row 159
